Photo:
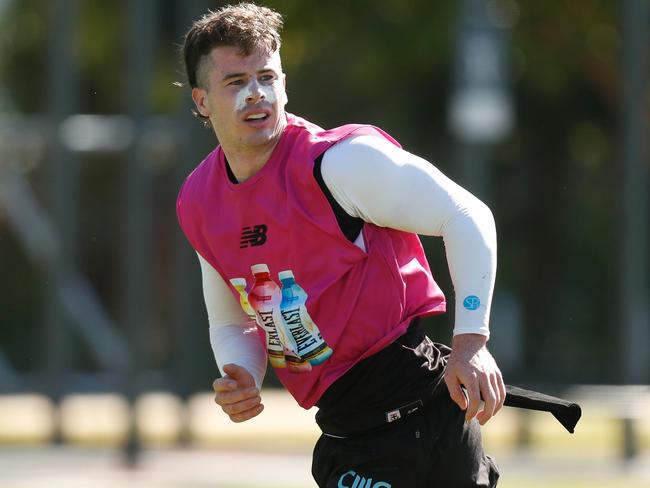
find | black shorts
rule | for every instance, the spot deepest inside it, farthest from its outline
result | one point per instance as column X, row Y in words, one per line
column 432, row 448
column 390, row 423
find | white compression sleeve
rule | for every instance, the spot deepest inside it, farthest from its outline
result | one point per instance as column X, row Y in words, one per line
column 233, row 336
column 380, row 183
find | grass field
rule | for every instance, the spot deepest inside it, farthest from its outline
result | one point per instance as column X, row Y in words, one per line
column 64, row 467
column 274, row 450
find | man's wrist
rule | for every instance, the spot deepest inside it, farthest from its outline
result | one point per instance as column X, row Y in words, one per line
column 472, row 328
column 469, row 341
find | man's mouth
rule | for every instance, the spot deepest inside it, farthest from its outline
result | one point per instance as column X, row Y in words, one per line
column 260, row 116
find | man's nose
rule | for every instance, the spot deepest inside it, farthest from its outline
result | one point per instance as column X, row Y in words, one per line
column 255, row 93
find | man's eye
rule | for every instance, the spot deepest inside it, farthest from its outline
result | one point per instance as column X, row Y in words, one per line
column 235, row 82
column 266, row 78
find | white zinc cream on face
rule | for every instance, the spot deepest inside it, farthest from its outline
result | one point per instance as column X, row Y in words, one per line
column 248, row 91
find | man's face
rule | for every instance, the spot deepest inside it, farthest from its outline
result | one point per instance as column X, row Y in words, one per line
column 244, row 97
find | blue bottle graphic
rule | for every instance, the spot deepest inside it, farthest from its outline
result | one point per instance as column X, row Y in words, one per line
column 265, row 297
column 308, row 339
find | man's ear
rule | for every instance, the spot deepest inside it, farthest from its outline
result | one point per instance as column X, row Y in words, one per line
column 200, row 97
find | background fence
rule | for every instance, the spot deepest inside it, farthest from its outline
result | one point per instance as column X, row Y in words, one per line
column 540, row 109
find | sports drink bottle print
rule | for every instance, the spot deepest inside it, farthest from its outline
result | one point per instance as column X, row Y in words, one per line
column 265, row 298
column 310, row 343
column 240, row 286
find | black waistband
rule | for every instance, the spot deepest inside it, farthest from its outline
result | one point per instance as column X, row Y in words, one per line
column 400, row 381
column 386, row 387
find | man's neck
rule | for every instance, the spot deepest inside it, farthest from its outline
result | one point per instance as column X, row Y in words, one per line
column 246, row 161
column 245, row 164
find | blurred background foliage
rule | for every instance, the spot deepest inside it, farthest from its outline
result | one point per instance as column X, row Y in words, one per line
column 552, row 182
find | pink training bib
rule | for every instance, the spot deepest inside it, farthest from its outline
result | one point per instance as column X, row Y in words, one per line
column 322, row 304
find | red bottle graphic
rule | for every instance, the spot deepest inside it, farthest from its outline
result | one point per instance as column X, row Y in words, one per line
column 265, row 298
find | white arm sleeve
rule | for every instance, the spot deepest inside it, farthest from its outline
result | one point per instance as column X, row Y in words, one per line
column 380, row 183
column 233, row 336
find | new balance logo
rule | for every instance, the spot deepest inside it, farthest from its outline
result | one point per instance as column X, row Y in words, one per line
column 253, row 236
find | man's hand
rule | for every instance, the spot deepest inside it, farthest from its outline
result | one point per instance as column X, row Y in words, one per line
column 237, row 394
column 472, row 366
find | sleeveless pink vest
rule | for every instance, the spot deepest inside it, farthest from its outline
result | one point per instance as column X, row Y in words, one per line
column 356, row 302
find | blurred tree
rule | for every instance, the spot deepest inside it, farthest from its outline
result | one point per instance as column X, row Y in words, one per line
column 558, row 199
column 389, row 63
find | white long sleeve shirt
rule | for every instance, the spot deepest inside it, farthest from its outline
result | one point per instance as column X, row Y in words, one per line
column 374, row 180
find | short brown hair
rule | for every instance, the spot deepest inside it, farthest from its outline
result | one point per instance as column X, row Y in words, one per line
column 246, row 26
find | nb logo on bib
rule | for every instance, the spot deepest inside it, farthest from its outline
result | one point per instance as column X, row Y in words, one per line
column 353, row 480
column 253, row 236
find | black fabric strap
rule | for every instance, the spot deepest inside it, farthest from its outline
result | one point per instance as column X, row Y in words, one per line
column 412, row 369
column 350, row 226
column 231, row 175
column 567, row 413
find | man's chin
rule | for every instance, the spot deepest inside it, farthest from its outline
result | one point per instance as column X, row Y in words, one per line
column 266, row 136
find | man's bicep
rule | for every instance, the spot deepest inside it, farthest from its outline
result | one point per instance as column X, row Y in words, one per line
column 383, row 184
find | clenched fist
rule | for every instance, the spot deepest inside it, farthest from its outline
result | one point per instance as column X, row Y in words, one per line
column 237, row 394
